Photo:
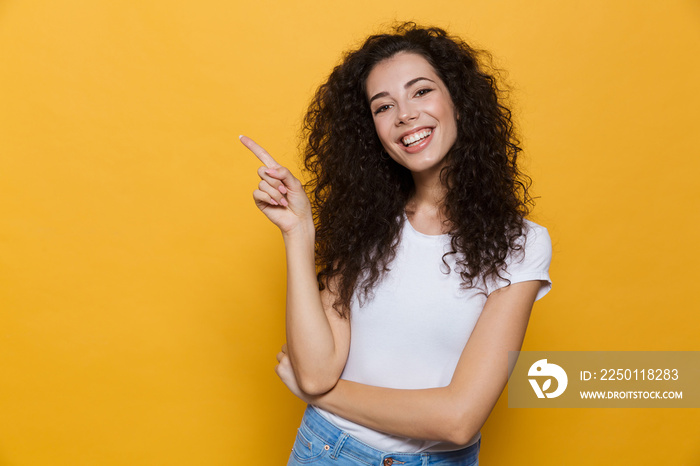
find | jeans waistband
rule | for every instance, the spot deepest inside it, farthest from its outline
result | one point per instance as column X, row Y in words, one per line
column 340, row 441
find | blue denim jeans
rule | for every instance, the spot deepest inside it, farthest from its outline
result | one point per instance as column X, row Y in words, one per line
column 319, row 442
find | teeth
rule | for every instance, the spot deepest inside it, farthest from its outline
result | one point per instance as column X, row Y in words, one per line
column 414, row 138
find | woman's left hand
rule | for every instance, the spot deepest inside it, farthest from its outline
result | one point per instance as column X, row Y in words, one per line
column 285, row 371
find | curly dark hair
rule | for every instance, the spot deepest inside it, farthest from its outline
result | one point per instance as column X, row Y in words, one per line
column 359, row 194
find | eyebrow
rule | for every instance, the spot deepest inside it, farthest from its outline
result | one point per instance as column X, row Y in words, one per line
column 406, row 86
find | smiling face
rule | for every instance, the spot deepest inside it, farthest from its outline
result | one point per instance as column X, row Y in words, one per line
column 413, row 112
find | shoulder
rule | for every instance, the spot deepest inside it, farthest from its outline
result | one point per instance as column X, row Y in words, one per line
column 530, row 227
column 536, row 237
column 530, row 261
column 535, row 251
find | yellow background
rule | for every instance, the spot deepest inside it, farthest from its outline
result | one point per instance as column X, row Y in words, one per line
column 141, row 292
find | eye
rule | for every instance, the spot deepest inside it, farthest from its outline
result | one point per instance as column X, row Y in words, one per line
column 422, row 92
column 381, row 109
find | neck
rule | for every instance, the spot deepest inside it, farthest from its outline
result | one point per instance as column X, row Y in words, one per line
column 429, row 192
column 425, row 208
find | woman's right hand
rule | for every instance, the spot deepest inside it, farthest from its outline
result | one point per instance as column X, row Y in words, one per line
column 280, row 195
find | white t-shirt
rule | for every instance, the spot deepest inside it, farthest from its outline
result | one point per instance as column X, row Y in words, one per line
column 411, row 333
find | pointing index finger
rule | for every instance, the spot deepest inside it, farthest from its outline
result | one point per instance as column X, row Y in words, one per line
column 259, row 152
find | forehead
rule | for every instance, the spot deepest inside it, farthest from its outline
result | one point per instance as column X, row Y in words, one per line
column 392, row 73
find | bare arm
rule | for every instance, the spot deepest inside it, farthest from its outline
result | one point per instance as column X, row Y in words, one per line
column 454, row 413
column 318, row 339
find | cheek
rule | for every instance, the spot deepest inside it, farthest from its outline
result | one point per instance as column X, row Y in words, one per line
column 454, row 128
column 449, row 116
column 383, row 132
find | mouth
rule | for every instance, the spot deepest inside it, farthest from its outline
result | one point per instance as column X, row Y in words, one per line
column 416, row 137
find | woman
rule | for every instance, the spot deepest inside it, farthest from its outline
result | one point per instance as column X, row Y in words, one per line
column 424, row 255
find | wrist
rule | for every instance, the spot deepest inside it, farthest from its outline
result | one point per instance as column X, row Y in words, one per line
column 302, row 231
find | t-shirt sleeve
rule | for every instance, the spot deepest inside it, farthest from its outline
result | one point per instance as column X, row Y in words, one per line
column 530, row 263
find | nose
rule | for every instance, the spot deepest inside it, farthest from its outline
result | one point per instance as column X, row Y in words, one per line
column 406, row 114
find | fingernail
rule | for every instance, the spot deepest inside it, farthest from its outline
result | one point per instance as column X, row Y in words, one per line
column 271, row 172
column 273, row 202
column 240, row 137
column 282, row 189
column 284, row 202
